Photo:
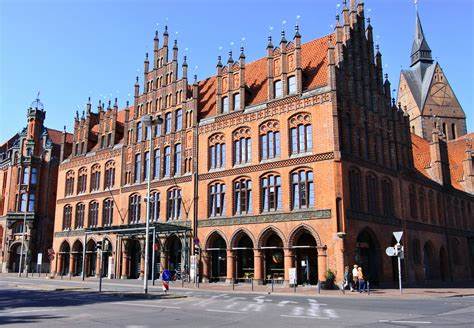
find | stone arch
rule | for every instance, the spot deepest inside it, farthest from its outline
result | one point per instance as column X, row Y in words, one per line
column 212, row 235
column 368, row 255
column 64, row 247
column 238, row 234
column 297, row 231
column 77, row 246
column 267, row 232
column 428, row 260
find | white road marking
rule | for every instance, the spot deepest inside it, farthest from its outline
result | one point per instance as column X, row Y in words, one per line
column 284, row 303
column 28, row 311
column 406, row 321
column 147, row 305
column 235, row 301
column 224, row 311
column 302, row 316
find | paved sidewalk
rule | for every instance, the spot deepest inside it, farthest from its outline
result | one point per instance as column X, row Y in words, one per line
column 89, row 283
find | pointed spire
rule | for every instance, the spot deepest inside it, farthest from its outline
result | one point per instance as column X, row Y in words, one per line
column 242, row 55
column 420, row 51
column 269, row 44
column 219, row 62
column 230, row 60
column 185, row 63
column 297, row 31
column 283, row 39
column 165, row 36
column 116, row 103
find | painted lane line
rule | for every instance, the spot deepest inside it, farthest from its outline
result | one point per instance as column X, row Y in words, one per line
column 28, row 311
column 302, row 316
column 406, row 321
column 224, row 311
column 148, row 305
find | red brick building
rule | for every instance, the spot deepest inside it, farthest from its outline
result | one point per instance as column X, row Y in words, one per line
column 299, row 159
column 28, row 175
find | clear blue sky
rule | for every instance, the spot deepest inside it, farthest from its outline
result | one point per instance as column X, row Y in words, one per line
column 73, row 49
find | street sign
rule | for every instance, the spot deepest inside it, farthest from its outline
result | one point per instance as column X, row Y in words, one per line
column 391, row 251
column 398, row 235
column 292, row 276
column 40, row 259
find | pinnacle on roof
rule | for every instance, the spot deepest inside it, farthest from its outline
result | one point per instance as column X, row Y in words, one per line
column 166, row 30
column 270, row 44
column 297, row 31
column 420, row 51
column 175, row 46
column 242, row 55
column 230, row 60
column 283, row 39
column 219, row 63
column 185, row 63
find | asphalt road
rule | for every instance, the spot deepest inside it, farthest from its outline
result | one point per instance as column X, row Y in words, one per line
column 28, row 303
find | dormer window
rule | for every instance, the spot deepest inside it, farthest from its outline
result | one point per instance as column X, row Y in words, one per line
column 278, row 88
column 292, row 85
column 236, row 101
column 225, row 104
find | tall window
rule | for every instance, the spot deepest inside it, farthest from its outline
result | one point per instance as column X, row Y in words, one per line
column 67, row 217
column 139, row 132
column 179, row 120
column 271, row 193
column 82, row 181
column 167, row 162
column 301, row 134
column 156, row 163
column 93, row 214
column 225, row 104
column 134, row 208
column 372, row 193
column 31, row 202
column 269, row 140
column 154, row 206
column 168, row 123
column 80, row 212
column 145, row 165
column 95, row 178
column 138, row 168
column 355, row 190
column 243, row 196
column 278, row 88
column 23, row 201
column 174, row 204
column 34, row 176
column 302, row 189
column 26, row 175
column 177, row 159
column 242, row 146
column 157, row 130
column 422, row 203
column 292, row 85
column 412, row 199
column 217, row 199
column 69, row 188
column 236, row 101
column 109, row 175
column 216, row 151
column 107, row 212
column 387, row 198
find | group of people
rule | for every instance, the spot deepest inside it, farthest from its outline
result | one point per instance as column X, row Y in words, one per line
column 354, row 279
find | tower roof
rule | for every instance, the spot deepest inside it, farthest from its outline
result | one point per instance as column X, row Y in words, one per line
column 420, row 50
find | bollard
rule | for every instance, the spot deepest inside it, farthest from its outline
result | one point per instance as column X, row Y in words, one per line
column 294, row 288
column 368, row 287
column 182, row 283
column 319, row 287
column 272, row 284
column 251, row 280
column 233, row 284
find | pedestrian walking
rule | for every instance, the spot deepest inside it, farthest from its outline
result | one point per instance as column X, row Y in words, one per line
column 354, row 278
column 361, row 280
column 347, row 278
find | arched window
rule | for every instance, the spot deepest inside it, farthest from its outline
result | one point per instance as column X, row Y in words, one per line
column 154, row 206
column 457, row 258
column 278, row 88
column 95, row 178
column 177, row 159
column 387, row 198
column 453, row 130
column 107, row 212
column 225, row 104
column 139, row 136
column 217, row 199
column 412, row 198
column 179, row 120
column 269, row 140
column 355, row 190
column 167, row 162
column 416, row 251
column 301, row 133
column 292, row 85
column 26, row 175
column 243, row 196
column 138, row 168
column 109, row 175
column 174, row 204
column 69, row 188
column 80, row 212
column 422, row 203
column 216, row 151
column 242, row 146
column 372, row 193
column 67, row 217
column 167, row 123
column 134, row 208
column 93, row 214
column 156, row 164
column 82, row 181
column 271, row 193
column 302, row 189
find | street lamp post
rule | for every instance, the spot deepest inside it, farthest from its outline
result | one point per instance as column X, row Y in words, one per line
column 148, row 122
